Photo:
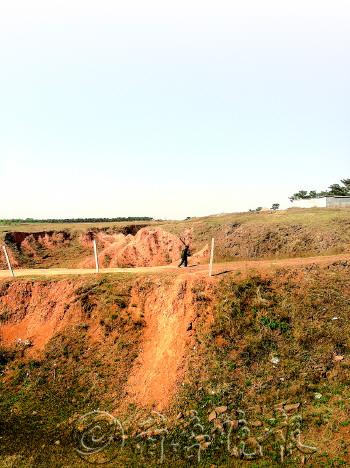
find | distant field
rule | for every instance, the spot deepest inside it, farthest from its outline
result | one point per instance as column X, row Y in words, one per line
column 44, row 227
column 311, row 216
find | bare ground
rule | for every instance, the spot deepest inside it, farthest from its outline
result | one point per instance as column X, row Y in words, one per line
column 218, row 269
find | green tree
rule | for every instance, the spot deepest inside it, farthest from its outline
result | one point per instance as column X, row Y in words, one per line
column 336, row 189
column 301, row 195
column 333, row 190
column 346, row 182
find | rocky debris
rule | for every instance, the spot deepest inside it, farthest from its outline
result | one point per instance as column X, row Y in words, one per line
column 337, row 358
column 220, row 409
column 340, row 265
column 23, row 343
column 291, row 407
column 256, row 423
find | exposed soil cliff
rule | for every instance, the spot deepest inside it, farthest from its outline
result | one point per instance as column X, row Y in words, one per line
column 148, row 247
column 170, row 313
column 34, row 314
column 262, row 352
column 291, row 233
column 130, row 247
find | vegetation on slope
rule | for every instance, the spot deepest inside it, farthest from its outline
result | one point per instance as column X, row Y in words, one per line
column 280, row 234
column 272, row 360
column 278, row 350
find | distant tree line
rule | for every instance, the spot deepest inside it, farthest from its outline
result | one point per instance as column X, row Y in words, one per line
column 335, row 190
column 74, row 220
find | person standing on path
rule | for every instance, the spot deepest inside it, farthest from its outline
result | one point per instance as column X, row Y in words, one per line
column 184, row 256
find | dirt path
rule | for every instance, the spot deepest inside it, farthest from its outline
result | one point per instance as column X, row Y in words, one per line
column 218, row 269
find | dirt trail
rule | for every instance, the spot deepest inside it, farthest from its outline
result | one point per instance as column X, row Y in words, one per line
column 218, row 269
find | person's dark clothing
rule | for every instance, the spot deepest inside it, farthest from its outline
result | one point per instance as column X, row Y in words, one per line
column 184, row 255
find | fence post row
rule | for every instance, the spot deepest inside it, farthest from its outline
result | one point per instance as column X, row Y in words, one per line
column 96, row 256
column 211, row 257
column 8, row 261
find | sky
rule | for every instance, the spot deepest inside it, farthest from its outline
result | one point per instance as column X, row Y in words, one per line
column 170, row 108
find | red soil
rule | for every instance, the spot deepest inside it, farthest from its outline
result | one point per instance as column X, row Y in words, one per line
column 170, row 314
column 149, row 247
column 37, row 311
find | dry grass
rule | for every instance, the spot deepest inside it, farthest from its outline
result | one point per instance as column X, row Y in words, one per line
column 281, row 234
column 289, row 315
column 300, row 318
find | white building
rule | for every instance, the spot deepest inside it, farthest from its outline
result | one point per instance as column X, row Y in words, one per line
column 324, row 202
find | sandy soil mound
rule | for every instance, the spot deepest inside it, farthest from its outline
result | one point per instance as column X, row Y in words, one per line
column 149, row 247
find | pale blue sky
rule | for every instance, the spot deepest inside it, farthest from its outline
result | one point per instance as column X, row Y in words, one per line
column 170, row 109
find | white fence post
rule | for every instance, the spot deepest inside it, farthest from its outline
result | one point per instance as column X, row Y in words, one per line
column 211, row 257
column 8, row 261
column 96, row 256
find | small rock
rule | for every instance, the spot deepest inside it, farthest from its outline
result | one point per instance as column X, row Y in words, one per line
column 279, row 407
column 291, row 407
column 234, row 424
column 337, row 358
column 318, row 396
column 205, row 445
column 275, row 360
column 57, row 442
column 221, row 409
column 217, row 424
